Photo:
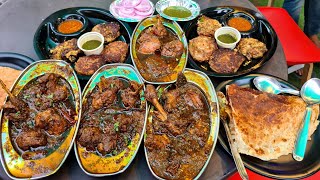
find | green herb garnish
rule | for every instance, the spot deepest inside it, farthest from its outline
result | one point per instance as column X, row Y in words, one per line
column 116, row 126
column 50, row 96
column 26, row 96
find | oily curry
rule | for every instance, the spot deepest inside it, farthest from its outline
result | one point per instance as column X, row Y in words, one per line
column 176, row 139
column 159, row 51
column 112, row 116
column 40, row 116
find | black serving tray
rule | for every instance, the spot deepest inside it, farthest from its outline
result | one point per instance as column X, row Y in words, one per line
column 285, row 167
column 14, row 60
column 46, row 36
column 261, row 30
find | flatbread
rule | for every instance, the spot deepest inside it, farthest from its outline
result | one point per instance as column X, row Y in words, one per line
column 8, row 76
column 265, row 125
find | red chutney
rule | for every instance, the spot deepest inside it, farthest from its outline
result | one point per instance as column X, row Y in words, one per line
column 70, row 26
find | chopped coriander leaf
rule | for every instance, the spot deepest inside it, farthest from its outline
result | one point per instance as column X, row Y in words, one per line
column 27, row 96
column 18, row 113
column 111, row 85
column 114, row 152
column 116, row 126
column 50, row 96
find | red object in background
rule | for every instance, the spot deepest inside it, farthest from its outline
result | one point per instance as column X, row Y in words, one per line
column 298, row 48
column 255, row 176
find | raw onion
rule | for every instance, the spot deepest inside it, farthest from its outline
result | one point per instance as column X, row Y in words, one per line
column 144, row 13
column 143, row 7
column 130, row 3
column 128, row 11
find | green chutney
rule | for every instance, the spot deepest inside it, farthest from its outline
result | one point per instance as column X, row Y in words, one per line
column 226, row 38
column 92, row 44
column 177, row 11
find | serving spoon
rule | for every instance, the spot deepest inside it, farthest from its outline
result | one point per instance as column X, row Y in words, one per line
column 271, row 85
column 310, row 93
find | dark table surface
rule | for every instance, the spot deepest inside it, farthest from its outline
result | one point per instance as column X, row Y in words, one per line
column 19, row 20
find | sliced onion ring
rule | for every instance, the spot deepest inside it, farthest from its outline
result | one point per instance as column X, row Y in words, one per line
column 143, row 7
column 146, row 13
column 127, row 11
column 130, row 3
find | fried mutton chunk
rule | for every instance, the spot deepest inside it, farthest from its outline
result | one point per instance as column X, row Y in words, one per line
column 31, row 138
column 251, row 48
column 226, row 61
column 149, row 43
column 207, row 26
column 87, row 65
column 172, row 49
column 67, row 50
column 115, row 52
column 109, row 30
column 201, row 48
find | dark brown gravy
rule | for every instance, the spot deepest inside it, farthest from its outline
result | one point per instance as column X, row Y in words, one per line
column 33, row 93
column 182, row 155
column 154, row 67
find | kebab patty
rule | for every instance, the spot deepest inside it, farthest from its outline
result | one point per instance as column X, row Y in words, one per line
column 251, row 48
column 226, row 61
column 201, row 48
column 109, row 30
column 115, row 52
column 87, row 65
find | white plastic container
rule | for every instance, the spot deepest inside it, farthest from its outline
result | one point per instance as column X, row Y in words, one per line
column 91, row 36
column 227, row 30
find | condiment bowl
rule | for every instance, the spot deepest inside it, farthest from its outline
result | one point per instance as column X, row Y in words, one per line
column 246, row 16
column 91, row 36
column 227, row 30
column 189, row 4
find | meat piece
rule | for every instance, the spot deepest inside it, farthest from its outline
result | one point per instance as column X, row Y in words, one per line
column 151, row 96
column 51, row 121
column 158, row 29
column 251, row 48
column 31, row 138
column 193, row 99
column 201, row 48
column 87, row 65
column 130, row 96
column 156, row 142
column 103, row 99
column 109, row 30
column 115, row 52
column 68, row 50
column 90, row 137
column 110, row 83
column 55, row 91
column 172, row 49
column 171, row 98
column 148, row 44
column 125, row 122
column 181, row 80
column 207, row 26
column 108, row 144
column 226, row 61
column 176, row 124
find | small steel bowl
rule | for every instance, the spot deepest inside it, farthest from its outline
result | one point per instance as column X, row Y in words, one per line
column 189, row 4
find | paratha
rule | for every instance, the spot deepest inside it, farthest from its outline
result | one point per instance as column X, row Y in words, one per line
column 8, row 76
column 265, row 125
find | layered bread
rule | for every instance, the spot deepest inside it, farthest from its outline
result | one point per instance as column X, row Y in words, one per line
column 8, row 76
column 265, row 125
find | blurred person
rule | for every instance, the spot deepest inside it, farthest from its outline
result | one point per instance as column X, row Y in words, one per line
column 311, row 16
